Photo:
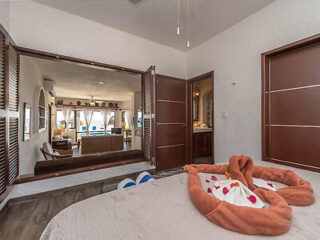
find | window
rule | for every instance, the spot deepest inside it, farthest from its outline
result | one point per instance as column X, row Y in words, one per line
column 139, row 123
column 110, row 120
column 96, row 126
column 125, row 118
column 42, row 111
column 61, row 121
column 96, row 122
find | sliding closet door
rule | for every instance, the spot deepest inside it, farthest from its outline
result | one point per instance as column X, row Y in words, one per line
column 171, row 122
column 148, row 88
column 9, row 111
column 291, row 100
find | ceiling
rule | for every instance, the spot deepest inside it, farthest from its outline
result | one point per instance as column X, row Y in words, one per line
column 156, row 20
column 80, row 81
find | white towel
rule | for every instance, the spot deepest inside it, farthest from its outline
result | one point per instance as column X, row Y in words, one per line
column 238, row 195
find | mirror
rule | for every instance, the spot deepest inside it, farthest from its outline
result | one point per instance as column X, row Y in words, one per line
column 26, row 121
column 195, row 107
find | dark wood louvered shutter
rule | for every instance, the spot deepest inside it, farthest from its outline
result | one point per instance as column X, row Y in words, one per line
column 13, row 79
column 2, row 154
column 2, row 71
column 9, row 112
column 148, row 114
column 13, row 149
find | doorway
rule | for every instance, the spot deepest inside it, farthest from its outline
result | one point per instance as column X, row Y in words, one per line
column 201, row 116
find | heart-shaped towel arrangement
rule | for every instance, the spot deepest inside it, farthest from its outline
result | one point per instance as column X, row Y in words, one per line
column 249, row 220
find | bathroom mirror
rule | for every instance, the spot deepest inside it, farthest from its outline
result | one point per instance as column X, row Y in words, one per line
column 195, row 107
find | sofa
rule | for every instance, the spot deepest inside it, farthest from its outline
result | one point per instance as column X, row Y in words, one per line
column 101, row 143
column 69, row 163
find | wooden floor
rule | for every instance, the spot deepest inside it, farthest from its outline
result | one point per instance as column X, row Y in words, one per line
column 26, row 218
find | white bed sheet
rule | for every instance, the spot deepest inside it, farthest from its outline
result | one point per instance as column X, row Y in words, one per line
column 162, row 209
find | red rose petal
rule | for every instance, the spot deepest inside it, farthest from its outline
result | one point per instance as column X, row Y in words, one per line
column 270, row 184
column 209, row 190
column 217, row 187
column 252, row 199
column 213, row 178
column 225, row 190
column 207, row 181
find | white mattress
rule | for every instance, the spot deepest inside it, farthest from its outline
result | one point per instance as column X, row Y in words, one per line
column 162, row 209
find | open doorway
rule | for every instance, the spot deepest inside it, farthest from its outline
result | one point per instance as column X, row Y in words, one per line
column 89, row 112
column 202, row 114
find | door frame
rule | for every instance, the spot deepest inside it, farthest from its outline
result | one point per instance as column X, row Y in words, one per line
column 22, row 51
column 190, row 122
column 265, row 107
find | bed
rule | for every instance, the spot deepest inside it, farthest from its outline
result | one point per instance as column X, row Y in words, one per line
column 162, row 209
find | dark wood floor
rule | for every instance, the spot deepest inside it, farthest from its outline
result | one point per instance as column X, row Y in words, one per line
column 26, row 218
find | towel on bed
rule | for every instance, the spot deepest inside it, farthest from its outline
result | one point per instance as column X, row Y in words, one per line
column 268, row 221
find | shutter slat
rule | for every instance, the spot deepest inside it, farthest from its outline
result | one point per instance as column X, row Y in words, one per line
column 2, row 155
column 13, row 79
column 2, row 68
column 13, row 149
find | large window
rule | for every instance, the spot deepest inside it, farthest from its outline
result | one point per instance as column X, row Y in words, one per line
column 96, row 126
column 96, row 122
column 61, row 123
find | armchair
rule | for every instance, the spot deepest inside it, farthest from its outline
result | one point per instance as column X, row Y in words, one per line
column 51, row 154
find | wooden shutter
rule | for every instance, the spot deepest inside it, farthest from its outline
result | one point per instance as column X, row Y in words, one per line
column 13, row 79
column 13, row 149
column 9, row 111
column 148, row 114
column 2, row 71
column 2, row 154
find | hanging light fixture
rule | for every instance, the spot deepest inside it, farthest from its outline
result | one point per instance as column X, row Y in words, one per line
column 92, row 102
column 188, row 26
column 178, row 28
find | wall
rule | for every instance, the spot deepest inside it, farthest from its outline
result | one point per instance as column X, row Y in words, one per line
column 234, row 55
column 37, row 26
column 4, row 14
column 30, row 84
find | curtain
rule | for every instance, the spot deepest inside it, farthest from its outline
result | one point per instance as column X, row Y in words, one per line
column 67, row 116
column 87, row 117
column 103, row 114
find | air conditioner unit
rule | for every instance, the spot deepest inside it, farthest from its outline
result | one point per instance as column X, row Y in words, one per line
column 49, row 85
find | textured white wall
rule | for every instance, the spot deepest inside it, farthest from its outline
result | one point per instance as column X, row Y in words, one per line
column 37, row 26
column 4, row 14
column 30, row 84
column 234, row 55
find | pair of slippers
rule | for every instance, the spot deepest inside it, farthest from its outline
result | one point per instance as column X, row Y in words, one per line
column 142, row 178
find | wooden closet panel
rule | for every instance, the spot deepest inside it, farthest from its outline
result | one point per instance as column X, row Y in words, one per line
column 2, row 155
column 295, row 144
column 296, row 107
column 2, row 70
column 296, row 68
column 290, row 104
column 13, row 79
column 13, row 149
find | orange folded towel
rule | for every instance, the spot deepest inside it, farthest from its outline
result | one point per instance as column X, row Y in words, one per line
column 267, row 221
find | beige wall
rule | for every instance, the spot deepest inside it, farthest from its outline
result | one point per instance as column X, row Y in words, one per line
column 235, row 57
column 35, row 25
column 31, row 82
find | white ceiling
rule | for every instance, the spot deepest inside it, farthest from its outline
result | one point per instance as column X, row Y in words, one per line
column 157, row 19
column 79, row 81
